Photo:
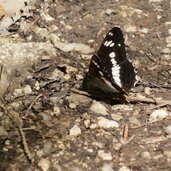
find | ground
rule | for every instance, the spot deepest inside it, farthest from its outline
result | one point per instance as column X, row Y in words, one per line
column 62, row 129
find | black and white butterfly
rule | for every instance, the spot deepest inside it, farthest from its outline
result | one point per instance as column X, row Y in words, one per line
column 110, row 70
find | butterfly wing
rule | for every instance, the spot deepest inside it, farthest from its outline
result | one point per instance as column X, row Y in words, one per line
column 112, row 56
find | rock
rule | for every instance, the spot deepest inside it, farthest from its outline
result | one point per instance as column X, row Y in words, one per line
column 167, row 153
column 110, row 11
column 47, row 147
column 78, row 99
column 134, row 121
column 116, row 117
column 97, row 107
column 104, row 156
column 27, row 90
column 87, row 123
column 130, row 28
column 3, row 131
column 93, row 126
column 147, row 90
column 44, row 164
column 45, row 116
column 106, row 123
column 56, row 110
column 75, row 131
column 166, row 51
column 122, row 107
column 70, row 47
column 144, row 30
column 107, row 167
column 124, row 168
column 168, row 41
column 146, row 155
column 158, row 114
column 168, row 130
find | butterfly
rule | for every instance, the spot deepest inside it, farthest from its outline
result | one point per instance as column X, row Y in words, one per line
column 110, row 70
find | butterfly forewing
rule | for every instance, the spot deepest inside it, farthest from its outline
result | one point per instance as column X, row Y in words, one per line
column 111, row 65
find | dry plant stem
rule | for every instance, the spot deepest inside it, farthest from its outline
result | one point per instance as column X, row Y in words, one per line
column 132, row 99
column 125, row 132
column 11, row 114
column 31, row 105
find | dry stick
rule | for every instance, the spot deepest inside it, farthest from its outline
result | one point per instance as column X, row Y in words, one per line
column 31, row 105
column 132, row 99
column 13, row 116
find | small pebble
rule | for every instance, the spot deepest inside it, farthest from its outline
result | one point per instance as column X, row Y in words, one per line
column 93, row 126
column 124, row 168
column 167, row 153
column 116, row 117
column 168, row 130
column 122, row 107
column 44, row 164
column 106, row 123
column 56, row 110
column 3, row 131
column 47, row 147
column 107, row 167
column 158, row 114
column 75, row 131
column 27, row 89
column 97, row 107
column 87, row 123
column 147, row 90
column 104, row 156
column 110, row 11
column 146, row 155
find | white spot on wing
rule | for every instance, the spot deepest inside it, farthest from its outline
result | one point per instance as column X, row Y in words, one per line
column 112, row 54
column 119, row 45
column 112, row 44
column 110, row 33
column 105, row 43
column 108, row 43
column 116, row 75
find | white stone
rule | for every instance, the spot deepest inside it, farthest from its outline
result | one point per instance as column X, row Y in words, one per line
column 124, row 168
column 144, row 30
column 75, row 131
column 56, row 110
column 69, row 47
column 109, row 11
column 97, row 107
column 130, row 28
column 168, row 130
column 104, row 156
column 107, row 167
column 27, row 89
column 106, row 123
column 168, row 41
column 146, row 155
column 44, row 164
column 122, row 107
column 154, row 1
column 166, row 51
column 158, row 114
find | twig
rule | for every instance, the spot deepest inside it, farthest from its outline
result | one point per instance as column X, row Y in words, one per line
column 31, row 105
column 132, row 99
column 125, row 133
column 17, row 121
column 145, row 124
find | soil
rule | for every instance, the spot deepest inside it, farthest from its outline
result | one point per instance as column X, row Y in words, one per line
column 55, row 109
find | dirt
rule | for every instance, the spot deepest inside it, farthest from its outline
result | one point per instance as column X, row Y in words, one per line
column 47, row 124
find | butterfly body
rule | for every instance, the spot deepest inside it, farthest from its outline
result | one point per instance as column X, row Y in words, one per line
column 110, row 70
